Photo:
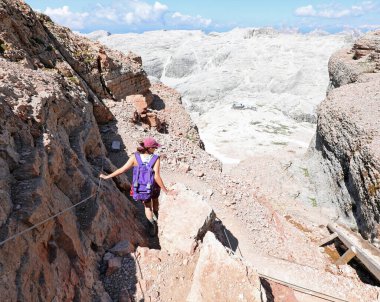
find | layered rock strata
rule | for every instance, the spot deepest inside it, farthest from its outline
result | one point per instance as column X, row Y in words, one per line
column 34, row 41
column 50, row 153
column 53, row 86
column 348, row 134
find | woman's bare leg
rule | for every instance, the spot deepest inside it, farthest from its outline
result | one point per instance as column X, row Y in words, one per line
column 156, row 206
column 148, row 210
column 149, row 216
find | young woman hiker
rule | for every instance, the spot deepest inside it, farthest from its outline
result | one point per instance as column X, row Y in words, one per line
column 147, row 181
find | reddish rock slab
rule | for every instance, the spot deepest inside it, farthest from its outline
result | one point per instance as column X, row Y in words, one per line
column 219, row 276
column 183, row 220
column 278, row 293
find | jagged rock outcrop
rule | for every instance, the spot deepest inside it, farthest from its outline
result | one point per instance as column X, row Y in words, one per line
column 51, row 153
column 348, row 133
column 209, row 273
column 228, row 276
column 184, row 225
column 53, row 86
column 34, row 41
column 351, row 65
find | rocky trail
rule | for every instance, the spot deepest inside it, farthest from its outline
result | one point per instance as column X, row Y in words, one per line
column 71, row 108
column 278, row 239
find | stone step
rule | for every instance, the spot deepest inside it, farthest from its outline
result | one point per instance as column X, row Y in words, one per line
column 184, row 219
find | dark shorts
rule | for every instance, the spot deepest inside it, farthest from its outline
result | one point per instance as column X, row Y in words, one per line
column 155, row 193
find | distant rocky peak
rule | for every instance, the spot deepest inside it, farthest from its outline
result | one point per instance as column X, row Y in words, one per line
column 96, row 35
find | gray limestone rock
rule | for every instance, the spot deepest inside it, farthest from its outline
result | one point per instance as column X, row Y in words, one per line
column 348, row 135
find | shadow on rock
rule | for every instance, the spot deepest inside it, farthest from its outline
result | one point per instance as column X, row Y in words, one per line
column 157, row 104
column 224, row 235
column 119, row 277
column 268, row 290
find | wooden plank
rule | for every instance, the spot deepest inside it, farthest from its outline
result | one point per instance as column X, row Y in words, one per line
column 347, row 256
column 303, row 290
column 328, row 239
column 369, row 256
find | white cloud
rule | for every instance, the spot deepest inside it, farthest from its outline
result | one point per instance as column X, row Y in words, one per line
column 64, row 16
column 143, row 12
column 334, row 11
column 179, row 18
column 106, row 12
column 333, row 14
column 136, row 14
column 305, row 11
column 370, row 26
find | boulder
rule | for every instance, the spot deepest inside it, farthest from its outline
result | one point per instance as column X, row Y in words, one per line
column 123, row 248
column 184, row 219
column 113, row 265
column 219, row 276
column 152, row 120
column 108, row 256
column 348, row 137
column 140, row 102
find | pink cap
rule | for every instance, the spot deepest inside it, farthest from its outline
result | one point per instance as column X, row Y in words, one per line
column 150, row 142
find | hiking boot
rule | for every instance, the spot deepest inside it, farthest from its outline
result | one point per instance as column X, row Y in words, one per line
column 155, row 216
column 152, row 229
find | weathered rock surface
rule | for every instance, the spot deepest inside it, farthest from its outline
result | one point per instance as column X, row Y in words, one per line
column 349, row 65
column 210, row 273
column 221, row 277
column 52, row 88
column 34, row 41
column 348, row 134
column 51, row 152
column 163, row 272
column 123, row 248
column 52, row 96
column 184, row 219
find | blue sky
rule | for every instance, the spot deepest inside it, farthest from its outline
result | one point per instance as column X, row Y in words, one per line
column 121, row 16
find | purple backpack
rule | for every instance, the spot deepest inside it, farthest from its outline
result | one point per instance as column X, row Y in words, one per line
column 143, row 178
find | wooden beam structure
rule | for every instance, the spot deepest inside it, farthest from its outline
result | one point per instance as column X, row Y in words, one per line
column 347, row 256
column 363, row 250
column 328, row 239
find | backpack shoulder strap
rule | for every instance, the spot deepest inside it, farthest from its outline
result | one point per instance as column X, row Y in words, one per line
column 153, row 161
column 138, row 158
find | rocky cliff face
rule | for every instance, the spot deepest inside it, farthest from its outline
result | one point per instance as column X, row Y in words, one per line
column 348, row 133
column 56, row 90
column 52, row 92
column 35, row 42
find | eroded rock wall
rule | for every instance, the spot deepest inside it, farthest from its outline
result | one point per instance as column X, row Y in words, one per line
column 348, row 134
column 52, row 90
column 34, row 41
